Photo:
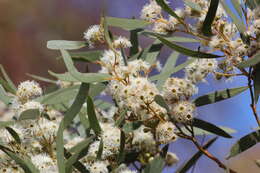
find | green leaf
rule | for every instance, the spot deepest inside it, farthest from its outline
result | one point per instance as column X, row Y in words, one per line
column 239, row 24
column 210, row 128
column 168, row 66
column 63, row 76
column 86, row 56
column 64, row 44
column 8, row 80
column 127, row 24
column 218, row 96
column 193, row 5
column 256, row 78
column 13, row 134
column 79, row 151
column 166, row 8
column 245, row 143
column 236, row 4
column 134, row 41
column 184, row 50
column 160, row 101
column 82, row 77
column 199, row 132
column 131, row 126
column 155, row 166
column 24, row 162
column 59, row 96
column 206, row 27
column 100, row 150
column 68, row 117
column 29, row 114
column 4, row 124
column 121, row 118
column 3, row 96
column 42, row 78
column 250, row 62
column 94, row 124
column 121, row 154
column 163, row 75
column 106, row 33
column 188, row 164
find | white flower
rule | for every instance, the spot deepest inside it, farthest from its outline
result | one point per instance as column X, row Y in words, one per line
column 28, row 90
column 122, row 42
column 98, row 167
column 44, row 163
column 143, row 138
column 94, row 34
column 151, row 11
column 74, row 141
column 183, row 111
column 165, row 132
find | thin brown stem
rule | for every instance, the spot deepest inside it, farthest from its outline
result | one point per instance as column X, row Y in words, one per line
column 252, row 105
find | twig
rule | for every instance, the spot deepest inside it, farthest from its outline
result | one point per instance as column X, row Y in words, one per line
column 252, row 105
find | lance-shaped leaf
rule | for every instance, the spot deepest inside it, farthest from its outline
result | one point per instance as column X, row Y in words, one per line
column 68, row 117
column 100, row 150
column 94, row 124
column 40, row 78
column 237, row 6
column 14, row 134
column 160, row 101
column 239, row 24
column 188, row 164
column 206, row 27
column 245, row 143
column 183, row 50
column 155, row 166
column 121, row 118
column 193, row 5
column 127, row 24
column 64, row 44
column 86, row 56
column 3, row 96
column 256, row 78
column 134, row 41
column 131, row 126
column 166, row 70
column 166, row 8
column 198, row 132
column 172, row 71
column 250, row 62
column 59, row 96
column 210, row 128
column 121, row 154
column 63, row 76
column 218, row 96
column 24, row 162
column 8, row 82
column 82, row 77
column 78, row 151
column 29, row 114
column 4, row 124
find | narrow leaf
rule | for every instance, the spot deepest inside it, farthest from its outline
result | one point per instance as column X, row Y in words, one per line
column 42, row 78
column 4, row 124
column 64, row 44
column 127, row 24
column 166, row 8
column 236, row 4
column 160, row 101
column 200, row 132
column 68, row 117
column 121, row 154
column 63, row 76
column 8, row 80
column 188, row 164
column 131, row 126
column 184, row 50
column 13, row 134
column 256, row 78
column 100, row 150
column 210, row 128
column 29, row 114
column 244, row 143
column 86, row 56
column 250, row 62
column 218, row 96
column 212, row 11
column 3, row 96
column 24, row 162
column 193, row 5
column 82, row 77
column 94, row 124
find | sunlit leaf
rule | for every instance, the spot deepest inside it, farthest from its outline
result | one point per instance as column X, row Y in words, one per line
column 3, row 96
column 40, row 78
column 250, row 62
column 218, row 96
column 29, row 114
column 245, row 143
column 193, row 5
column 64, row 44
column 127, row 24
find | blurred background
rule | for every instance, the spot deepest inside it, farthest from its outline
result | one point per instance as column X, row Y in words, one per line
column 26, row 26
